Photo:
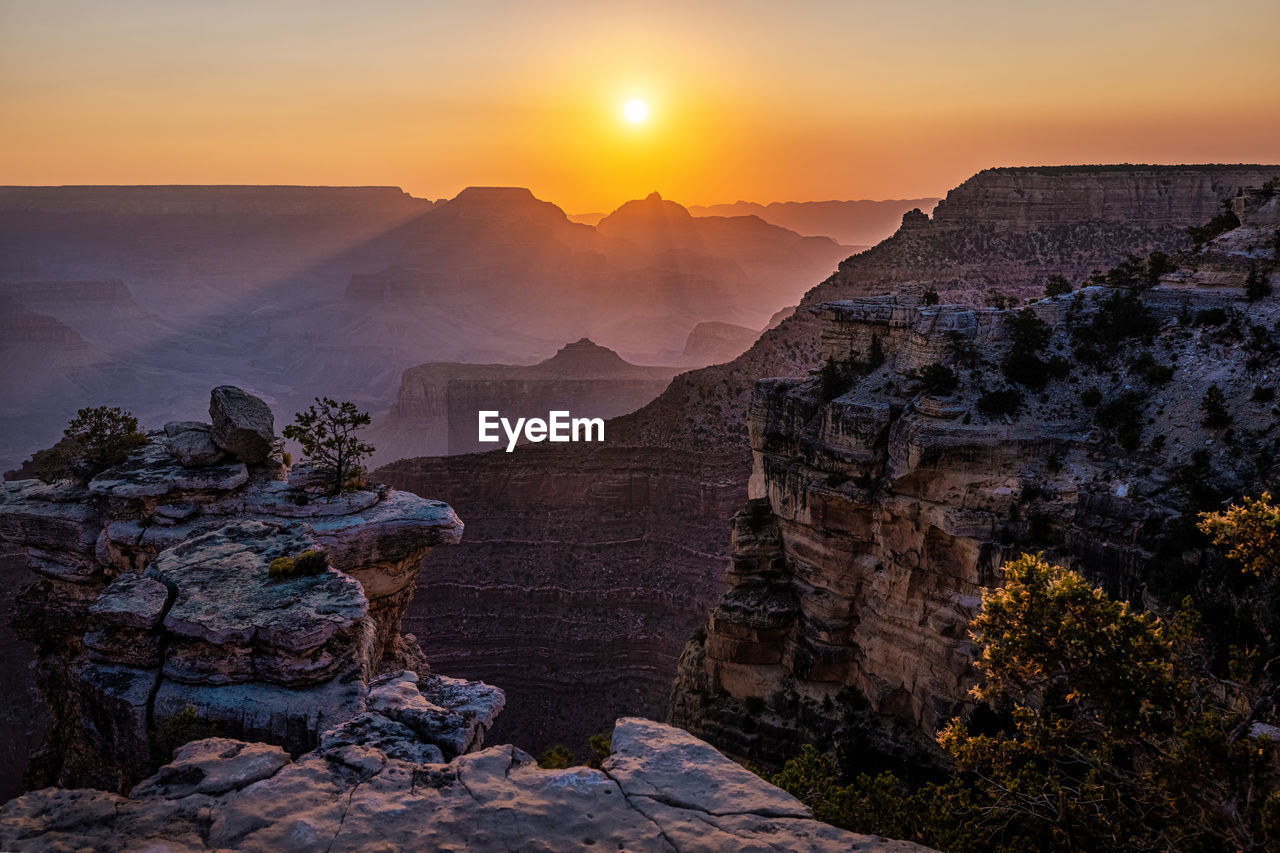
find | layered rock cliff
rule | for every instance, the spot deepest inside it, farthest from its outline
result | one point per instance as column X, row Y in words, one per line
column 153, row 606
column 580, row 530
column 880, row 511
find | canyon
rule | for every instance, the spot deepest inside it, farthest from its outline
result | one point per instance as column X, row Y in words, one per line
column 109, row 294
column 646, row 518
column 208, row 693
column 436, row 405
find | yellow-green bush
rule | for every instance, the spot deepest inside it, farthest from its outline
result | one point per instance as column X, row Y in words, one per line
column 313, row 562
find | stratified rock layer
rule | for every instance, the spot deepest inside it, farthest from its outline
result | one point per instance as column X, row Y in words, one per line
column 879, row 510
column 154, row 610
column 366, row 788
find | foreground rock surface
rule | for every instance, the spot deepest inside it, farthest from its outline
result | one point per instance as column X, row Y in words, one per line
column 660, row 790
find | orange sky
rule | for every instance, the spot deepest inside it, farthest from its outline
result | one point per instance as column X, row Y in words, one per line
column 754, row 100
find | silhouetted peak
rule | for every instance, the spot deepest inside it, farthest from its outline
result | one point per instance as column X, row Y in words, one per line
column 501, row 203
column 651, row 210
column 587, row 356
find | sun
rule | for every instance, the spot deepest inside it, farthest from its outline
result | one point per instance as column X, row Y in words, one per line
column 636, row 111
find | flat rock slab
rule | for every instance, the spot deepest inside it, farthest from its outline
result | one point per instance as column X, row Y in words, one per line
column 213, row 766
column 350, row 796
column 657, row 761
column 153, row 471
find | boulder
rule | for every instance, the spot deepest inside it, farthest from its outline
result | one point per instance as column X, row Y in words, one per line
column 194, row 447
column 242, row 424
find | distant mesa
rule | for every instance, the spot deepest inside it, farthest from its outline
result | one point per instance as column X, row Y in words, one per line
column 716, row 343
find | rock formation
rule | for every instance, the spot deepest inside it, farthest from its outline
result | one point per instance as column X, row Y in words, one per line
column 857, row 224
column 644, row 520
column 878, row 512
column 713, row 343
column 435, row 409
column 153, row 605
column 370, row 784
column 162, row 609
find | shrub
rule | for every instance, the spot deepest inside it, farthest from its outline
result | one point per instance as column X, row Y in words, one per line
column 875, row 355
column 833, row 380
column 1256, row 285
column 1028, row 335
column 93, row 441
column 1262, row 394
column 930, row 296
column 313, row 562
column 1056, row 285
column 558, row 757
column 1151, row 371
column 1210, row 317
column 1214, row 406
column 328, row 438
column 1158, row 264
column 1003, row 401
column 601, row 745
column 1123, row 415
column 938, row 379
column 1090, row 397
column 1219, row 224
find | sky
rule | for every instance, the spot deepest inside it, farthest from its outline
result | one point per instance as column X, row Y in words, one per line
column 764, row 101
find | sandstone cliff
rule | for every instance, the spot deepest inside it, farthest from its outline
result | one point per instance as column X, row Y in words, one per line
column 587, row 530
column 152, row 606
column 878, row 512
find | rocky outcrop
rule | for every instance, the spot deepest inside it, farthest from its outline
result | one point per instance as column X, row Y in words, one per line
column 155, row 605
column 369, row 785
column 878, row 515
column 242, row 424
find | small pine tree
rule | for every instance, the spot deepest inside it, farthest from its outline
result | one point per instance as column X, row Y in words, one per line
column 93, row 441
column 875, row 357
column 327, row 435
column 1214, row 406
column 1056, row 285
column 1256, row 285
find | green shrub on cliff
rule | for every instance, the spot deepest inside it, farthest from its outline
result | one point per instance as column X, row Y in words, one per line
column 1114, row 732
column 93, row 441
column 327, row 433
column 558, row 757
column 313, row 562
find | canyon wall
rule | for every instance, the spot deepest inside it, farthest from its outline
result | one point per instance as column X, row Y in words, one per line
column 693, row 441
column 880, row 511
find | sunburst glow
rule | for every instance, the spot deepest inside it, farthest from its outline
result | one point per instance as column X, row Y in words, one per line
column 636, row 111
